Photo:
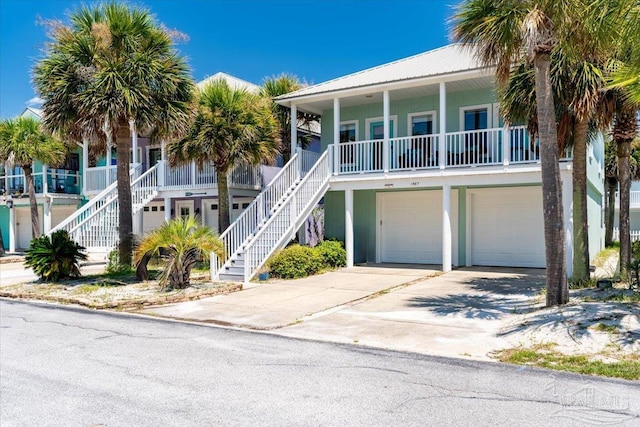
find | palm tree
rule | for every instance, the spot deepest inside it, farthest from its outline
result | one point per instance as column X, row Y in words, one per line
column 231, row 127
column 179, row 243
column 22, row 141
column 280, row 85
column 111, row 65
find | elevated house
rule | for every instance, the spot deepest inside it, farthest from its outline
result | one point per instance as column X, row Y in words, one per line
column 84, row 193
column 418, row 167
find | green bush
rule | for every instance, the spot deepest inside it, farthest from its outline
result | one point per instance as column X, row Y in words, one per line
column 332, row 253
column 114, row 268
column 635, row 249
column 54, row 258
column 295, row 261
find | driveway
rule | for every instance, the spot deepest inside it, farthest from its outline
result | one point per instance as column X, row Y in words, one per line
column 410, row 308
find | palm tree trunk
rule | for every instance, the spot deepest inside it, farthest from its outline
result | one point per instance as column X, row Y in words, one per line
column 624, row 130
column 611, row 185
column 125, row 222
column 33, row 202
column 554, row 234
column 223, row 201
column 580, row 224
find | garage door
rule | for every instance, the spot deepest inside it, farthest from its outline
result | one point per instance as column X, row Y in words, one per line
column 211, row 213
column 410, row 227
column 507, row 227
column 23, row 226
column 61, row 212
column 152, row 216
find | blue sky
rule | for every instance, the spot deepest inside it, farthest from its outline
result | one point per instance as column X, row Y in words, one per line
column 251, row 39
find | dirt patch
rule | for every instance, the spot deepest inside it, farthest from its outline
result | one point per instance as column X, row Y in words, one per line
column 104, row 293
column 8, row 259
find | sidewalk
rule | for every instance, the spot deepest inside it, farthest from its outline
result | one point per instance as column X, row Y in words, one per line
column 277, row 304
column 15, row 272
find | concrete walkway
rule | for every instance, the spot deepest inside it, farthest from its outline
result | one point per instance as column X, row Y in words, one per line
column 277, row 304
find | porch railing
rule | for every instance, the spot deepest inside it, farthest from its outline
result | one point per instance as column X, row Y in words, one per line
column 64, row 182
column 98, row 178
column 497, row 146
column 634, row 199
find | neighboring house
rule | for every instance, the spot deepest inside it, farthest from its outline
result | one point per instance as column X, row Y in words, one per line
column 160, row 192
column 423, row 170
column 634, row 213
column 58, row 196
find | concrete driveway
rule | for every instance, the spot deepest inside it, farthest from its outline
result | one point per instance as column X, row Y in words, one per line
column 460, row 313
column 411, row 308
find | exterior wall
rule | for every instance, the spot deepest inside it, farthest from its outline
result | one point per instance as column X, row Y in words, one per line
column 595, row 220
column 4, row 226
column 402, row 108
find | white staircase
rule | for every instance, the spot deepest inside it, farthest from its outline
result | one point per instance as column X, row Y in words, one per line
column 95, row 225
column 274, row 216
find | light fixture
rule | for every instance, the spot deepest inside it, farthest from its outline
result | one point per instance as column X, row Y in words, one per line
column 368, row 95
column 9, row 201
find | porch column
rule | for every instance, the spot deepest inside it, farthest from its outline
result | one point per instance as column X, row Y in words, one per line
column 45, row 184
column 567, row 212
column 294, row 128
column 12, row 229
column 385, row 126
column 167, row 209
column 446, row 228
column 442, row 143
column 47, row 214
column 108, row 168
column 336, row 136
column 506, row 145
column 134, row 141
column 348, row 226
column 85, row 163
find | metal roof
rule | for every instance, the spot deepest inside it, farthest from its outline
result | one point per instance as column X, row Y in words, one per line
column 232, row 81
column 449, row 59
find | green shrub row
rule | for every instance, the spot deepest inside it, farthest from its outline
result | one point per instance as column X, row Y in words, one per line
column 298, row 261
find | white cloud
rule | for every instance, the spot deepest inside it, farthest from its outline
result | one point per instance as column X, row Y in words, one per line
column 36, row 101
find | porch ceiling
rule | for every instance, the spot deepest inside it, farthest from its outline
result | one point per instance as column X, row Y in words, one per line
column 375, row 94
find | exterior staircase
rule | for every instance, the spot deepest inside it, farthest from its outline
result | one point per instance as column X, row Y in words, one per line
column 95, row 225
column 274, row 216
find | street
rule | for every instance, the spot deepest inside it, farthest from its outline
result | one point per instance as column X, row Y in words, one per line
column 64, row 366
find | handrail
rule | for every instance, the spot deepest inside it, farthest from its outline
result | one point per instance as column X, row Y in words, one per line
column 294, row 212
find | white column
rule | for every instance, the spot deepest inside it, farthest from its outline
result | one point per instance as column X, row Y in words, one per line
column 385, row 127
column 47, row 214
column 45, row 184
column 108, row 170
column 446, row 228
column 336, row 135
column 85, row 163
column 506, row 145
column 12, row 229
column 348, row 226
column 294, row 128
column 167, row 209
column 442, row 143
column 134, row 140
column 567, row 211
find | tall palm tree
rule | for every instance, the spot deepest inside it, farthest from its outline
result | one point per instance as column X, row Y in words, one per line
column 280, row 85
column 231, row 127
column 22, row 141
column 110, row 65
column 180, row 243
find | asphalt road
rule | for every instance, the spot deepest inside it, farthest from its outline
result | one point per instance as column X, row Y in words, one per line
column 61, row 366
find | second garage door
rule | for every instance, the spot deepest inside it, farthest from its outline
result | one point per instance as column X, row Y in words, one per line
column 507, row 227
column 410, row 226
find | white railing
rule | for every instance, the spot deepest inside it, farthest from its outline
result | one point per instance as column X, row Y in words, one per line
column 635, row 234
column 258, row 211
column 282, row 225
column 474, row 147
column 634, row 199
column 307, row 159
column 190, row 176
column 358, row 156
column 522, row 148
column 95, row 225
column 96, row 177
column 413, row 152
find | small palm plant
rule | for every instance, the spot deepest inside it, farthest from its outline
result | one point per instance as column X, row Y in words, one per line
column 179, row 243
column 56, row 257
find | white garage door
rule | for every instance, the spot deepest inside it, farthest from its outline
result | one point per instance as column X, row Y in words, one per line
column 152, row 216
column 211, row 213
column 507, row 227
column 23, row 226
column 61, row 212
column 410, row 227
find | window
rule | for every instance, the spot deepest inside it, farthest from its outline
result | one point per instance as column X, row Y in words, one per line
column 155, row 155
column 146, row 209
column 214, row 207
column 72, row 162
column 245, row 205
column 185, row 211
column 348, row 132
column 154, row 209
column 422, row 125
column 476, row 119
column 235, row 206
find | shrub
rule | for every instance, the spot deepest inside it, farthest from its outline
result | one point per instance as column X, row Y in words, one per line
column 332, row 253
column 635, row 249
column 295, row 261
column 54, row 258
column 114, row 268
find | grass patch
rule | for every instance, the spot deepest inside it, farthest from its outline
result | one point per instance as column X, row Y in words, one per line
column 601, row 258
column 614, row 297
column 583, row 284
column 544, row 356
column 612, row 329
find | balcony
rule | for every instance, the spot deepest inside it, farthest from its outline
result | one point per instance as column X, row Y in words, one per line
column 57, row 182
column 499, row 146
column 184, row 177
column 634, row 200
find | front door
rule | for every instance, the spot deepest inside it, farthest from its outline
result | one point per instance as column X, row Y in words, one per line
column 376, row 132
column 184, row 208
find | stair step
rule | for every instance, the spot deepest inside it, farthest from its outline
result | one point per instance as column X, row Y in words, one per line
column 231, row 277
